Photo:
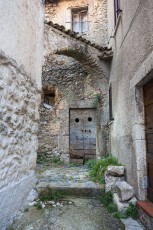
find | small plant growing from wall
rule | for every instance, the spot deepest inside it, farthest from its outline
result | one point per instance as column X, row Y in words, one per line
column 98, row 98
column 97, row 167
column 106, row 198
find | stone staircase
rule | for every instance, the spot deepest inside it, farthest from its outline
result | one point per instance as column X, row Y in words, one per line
column 71, row 181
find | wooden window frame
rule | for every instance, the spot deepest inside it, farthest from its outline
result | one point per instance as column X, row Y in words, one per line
column 48, row 95
column 80, row 11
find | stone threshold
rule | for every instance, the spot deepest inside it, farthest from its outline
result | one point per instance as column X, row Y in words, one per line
column 146, row 206
column 145, row 210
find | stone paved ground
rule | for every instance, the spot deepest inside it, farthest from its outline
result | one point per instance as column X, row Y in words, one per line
column 82, row 211
column 76, row 214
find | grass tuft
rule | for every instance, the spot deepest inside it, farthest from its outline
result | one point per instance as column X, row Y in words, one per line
column 97, row 168
column 132, row 211
column 49, row 194
column 55, row 161
column 106, row 199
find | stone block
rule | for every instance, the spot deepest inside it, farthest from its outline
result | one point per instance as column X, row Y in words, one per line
column 65, row 157
column 124, row 190
column 32, row 195
column 115, row 170
column 121, row 206
column 133, row 200
column 131, row 224
column 110, row 182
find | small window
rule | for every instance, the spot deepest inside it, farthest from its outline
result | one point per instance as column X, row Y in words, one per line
column 49, row 98
column 51, row 1
column 80, row 20
column 117, row 9
column 110, row 104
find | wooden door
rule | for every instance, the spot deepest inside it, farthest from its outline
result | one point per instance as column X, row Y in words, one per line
column 82, row 135
column 148, row 102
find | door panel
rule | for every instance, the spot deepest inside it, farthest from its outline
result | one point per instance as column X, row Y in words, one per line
column 82, row 134
column 148, row 103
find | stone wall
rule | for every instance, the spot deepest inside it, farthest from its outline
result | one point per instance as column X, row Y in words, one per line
column 20, row 82
column 97, row 17
column 76, row 84
column 132, row 44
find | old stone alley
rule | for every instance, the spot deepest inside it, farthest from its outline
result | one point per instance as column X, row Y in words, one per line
column 76, row 114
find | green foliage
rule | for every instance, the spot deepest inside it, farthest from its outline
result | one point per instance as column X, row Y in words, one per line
column 119, row 215
column 106, row 198
column 38, row 205
column 56, row 160
column 73, row 164
column 91, row 163
column 132, row 211
column 53, row 162
column 49, row 194
column 41, row 159
column 97, row 100
column 112, row 207
column 97, row 168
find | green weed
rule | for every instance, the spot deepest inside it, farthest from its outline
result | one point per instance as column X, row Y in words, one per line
column 49, row 194
column 112, row 207
column 97, row 100
column 132, row 211
column 106, row 198
column 38, row 205
column 74, row 164
column 56, row 160
column 97, row 168
column 119, row 215
column 52, row 162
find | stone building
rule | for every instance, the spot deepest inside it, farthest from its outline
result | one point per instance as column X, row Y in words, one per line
column 126, row 27
column 130, row 37
column 21, row 43
column 74, row 110
column 92, row 102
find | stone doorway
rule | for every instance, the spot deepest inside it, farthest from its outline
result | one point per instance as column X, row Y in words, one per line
column 148, row 105
column 82, row 139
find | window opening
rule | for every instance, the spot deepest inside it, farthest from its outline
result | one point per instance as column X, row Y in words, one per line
column 49, row 98
column 80, row 20
column 51, row 1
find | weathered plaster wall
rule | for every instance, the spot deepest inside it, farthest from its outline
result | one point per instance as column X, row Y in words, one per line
column 21, row 43
column 75, row 83
column 97, row 17
column 132, row 44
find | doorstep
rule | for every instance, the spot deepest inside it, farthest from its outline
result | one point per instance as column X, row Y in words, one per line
column 145, row 209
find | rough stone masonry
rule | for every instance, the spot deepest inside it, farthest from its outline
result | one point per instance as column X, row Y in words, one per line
column 21, row 43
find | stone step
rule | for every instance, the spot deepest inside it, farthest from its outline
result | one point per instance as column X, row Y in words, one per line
column 77, row 189
column 70, row 181
column 145, row 210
